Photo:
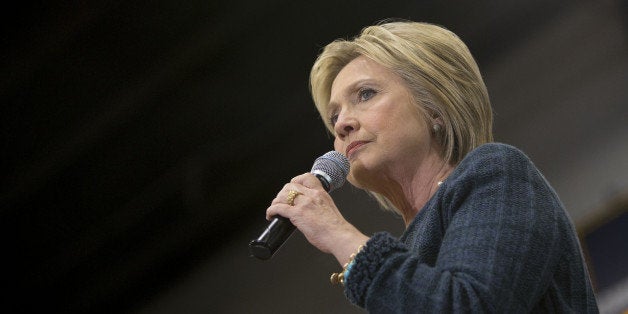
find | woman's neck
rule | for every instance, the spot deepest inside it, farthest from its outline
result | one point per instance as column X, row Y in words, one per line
column 410, row 189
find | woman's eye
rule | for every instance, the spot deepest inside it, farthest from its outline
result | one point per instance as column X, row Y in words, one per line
column 366, row 94
column 333, row 119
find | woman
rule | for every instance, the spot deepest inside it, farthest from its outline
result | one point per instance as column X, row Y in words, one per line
column 484, row 231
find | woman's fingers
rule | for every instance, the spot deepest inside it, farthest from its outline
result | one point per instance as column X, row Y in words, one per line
column 299, row 185
column 278, row 209
column 289, row 194
column 308, row 180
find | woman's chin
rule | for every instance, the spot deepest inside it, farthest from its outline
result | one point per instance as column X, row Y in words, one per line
column 360, row 176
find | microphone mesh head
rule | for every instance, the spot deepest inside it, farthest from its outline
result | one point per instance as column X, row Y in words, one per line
column 335, row 166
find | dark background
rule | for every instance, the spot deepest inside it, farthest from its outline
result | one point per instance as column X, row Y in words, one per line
column 142, row 141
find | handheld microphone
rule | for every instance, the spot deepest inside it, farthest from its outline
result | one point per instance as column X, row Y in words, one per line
column 331, row 169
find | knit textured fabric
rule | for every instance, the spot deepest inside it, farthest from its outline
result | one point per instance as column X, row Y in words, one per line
column 494, row 238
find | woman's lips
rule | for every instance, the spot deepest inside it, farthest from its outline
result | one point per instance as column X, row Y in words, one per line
column 353, row 146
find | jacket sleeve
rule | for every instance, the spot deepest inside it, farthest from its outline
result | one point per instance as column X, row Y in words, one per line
column 499, row 247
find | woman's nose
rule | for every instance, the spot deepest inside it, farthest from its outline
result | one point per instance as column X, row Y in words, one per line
column 346, row 123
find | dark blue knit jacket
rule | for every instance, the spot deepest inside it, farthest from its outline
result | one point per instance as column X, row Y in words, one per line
column 494, row 238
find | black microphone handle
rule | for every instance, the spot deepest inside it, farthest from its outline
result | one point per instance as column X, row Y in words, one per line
column 277, row 232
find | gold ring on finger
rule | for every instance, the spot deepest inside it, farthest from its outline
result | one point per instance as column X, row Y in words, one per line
column 292, row 194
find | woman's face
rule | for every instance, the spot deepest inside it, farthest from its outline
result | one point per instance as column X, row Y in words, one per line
column 376, row 123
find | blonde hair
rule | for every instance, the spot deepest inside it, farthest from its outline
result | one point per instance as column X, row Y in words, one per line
column 438, row 69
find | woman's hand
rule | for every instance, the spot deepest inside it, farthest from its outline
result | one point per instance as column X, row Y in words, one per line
column 317, row 217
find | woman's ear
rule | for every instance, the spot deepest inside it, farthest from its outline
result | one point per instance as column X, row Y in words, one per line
column 437, row 123
column 436, row 128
